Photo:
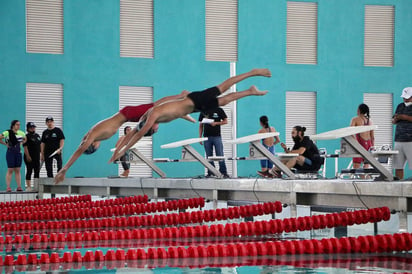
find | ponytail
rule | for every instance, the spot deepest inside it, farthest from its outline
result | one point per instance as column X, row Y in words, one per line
column 300, row 129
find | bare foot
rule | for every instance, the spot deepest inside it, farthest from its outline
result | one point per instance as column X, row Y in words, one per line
column 262, row 72
column 60, row 176
column 254, row 91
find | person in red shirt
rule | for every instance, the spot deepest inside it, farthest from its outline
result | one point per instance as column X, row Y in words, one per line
column 107, row 128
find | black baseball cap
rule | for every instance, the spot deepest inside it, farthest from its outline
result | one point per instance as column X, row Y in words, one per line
column 30, row 124
column 49, row 118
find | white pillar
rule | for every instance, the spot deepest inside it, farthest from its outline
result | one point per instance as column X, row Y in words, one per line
column 234, row 121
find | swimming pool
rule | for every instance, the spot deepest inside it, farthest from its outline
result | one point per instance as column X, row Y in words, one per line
column 245, row 239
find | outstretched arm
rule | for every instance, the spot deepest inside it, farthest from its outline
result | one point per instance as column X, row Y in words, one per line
column 125, row 139
column 86, row 142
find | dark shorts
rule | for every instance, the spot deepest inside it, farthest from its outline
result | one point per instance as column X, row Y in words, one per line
column 309, row 165
column 13, row 159
column 205, row 100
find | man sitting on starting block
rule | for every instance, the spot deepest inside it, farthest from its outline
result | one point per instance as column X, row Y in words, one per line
column 193, row 102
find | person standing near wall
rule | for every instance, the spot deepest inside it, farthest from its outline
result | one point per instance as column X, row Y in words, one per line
column 269, row 144
column 13, row 137
column 403, row 133
column 124, row 160
column 32, row 154
column 365, row 139
column 52, row 142
column 210, row 122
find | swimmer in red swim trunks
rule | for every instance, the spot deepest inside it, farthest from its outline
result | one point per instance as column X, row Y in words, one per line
column 193, row 102
column 366, row 139
column 107, row 128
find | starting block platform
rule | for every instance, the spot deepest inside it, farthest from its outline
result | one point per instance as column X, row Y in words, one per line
column 350, row 147
column 135, row 156
column 258, row 151
column 190, row 154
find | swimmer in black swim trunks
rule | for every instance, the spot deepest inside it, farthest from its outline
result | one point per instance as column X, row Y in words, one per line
column 193, row 102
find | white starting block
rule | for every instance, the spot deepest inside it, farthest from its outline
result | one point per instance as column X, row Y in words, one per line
column 190, row 154
column 350, row 147
column 258, row 151
column 135, row 156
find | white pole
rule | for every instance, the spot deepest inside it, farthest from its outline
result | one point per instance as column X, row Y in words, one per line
column 234, row 121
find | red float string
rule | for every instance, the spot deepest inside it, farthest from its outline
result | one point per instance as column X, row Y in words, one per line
column 366, row 244
column 256, row 228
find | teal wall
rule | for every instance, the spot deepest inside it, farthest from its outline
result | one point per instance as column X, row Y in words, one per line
column 91, row 69
column 339, row 78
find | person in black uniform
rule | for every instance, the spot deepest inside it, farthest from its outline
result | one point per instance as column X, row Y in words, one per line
column 52, row 140
column 211, row 130
column 309, row 158
column 32, row 154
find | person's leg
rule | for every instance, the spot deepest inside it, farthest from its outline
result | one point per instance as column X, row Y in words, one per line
column 123, row 161
column 17, row 175
column 36, row 168
column 275, row 171
column 208, row 144
column 267, row 164
column 48, row 162
column 272, row 151
column 9, row 174
column 264, row 165
column 408, row 153
column 219, row 152
column 236, row 79
column 10, row 159
column 29, row 170
column 127, row 167
column 125, row 164
column 59, row 160
column 182, row 95
column 224, row 100
column 399, row 160
column 295, row 161
column 28, row 185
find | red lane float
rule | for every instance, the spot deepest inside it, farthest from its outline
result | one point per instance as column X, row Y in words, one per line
column 94, row 210
column 203, row 231
column 63, row 200
column 147, row 220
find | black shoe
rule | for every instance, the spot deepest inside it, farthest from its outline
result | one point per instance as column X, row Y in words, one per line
column 226, row 176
